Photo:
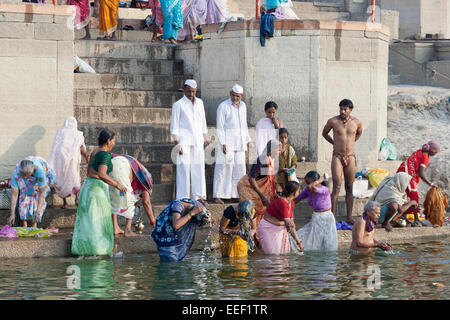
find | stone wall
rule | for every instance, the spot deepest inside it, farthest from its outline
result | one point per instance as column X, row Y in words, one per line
column 307, row 68
column 36, row 82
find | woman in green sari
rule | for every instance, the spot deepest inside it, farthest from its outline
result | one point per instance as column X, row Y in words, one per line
column 93, row 233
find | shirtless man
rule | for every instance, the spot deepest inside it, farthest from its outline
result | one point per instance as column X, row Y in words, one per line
column 346, row 131
column 363, row 240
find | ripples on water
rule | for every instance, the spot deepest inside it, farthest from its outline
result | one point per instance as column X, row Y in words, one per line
column 413, row 271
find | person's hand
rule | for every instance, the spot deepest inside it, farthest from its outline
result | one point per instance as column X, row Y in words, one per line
column 211, row 219
column 300, row 246
column 276, row 122
column 207, row 142
column 224, row 149
column 384, row 246
column 196, row 210
column 432, row 185
column 121, row 188
column 265, row 201
column 11, row 219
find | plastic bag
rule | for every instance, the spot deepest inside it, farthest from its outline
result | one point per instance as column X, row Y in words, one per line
column 376, row 176
column 8, row 232
column 83, row 67
column 360, row 186
column 387, row 150
column 292, row 176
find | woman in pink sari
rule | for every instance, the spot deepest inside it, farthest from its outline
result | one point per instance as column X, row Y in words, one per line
column 156, row 21
column 83, row 11
column 278, row 223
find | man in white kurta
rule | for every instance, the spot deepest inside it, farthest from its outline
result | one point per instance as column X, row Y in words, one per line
column 233, row 138
column 189, row 132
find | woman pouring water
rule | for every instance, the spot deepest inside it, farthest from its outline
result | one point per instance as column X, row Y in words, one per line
column 175, row 227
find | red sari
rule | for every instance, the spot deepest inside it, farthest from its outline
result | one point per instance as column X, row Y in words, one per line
column 83, row 10
column 412, row 165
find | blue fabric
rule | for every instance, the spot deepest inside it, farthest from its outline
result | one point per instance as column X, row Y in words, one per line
column 343, row 226
column 273, row 4
column 173, row 18
column 383, row 213
column 266, row 27
column 172, row 244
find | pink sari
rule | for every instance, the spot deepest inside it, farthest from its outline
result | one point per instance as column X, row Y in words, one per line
column 274, row 239
column 83, row 10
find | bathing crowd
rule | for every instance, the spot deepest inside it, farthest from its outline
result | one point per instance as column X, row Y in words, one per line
column 261, row 210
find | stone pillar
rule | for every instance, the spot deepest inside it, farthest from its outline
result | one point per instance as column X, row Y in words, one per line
column 36, row 82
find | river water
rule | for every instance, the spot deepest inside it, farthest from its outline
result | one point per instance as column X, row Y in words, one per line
column 413, row 271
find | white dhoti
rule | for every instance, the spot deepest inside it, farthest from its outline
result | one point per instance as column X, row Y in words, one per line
column 229, row 169
column 124, row 204
column 191, row 169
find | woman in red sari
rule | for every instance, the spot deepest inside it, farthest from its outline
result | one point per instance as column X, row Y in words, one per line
column 83, row 11
column 415, row 166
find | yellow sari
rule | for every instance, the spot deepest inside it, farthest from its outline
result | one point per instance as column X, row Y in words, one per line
column 107, row 16
column 233, row 245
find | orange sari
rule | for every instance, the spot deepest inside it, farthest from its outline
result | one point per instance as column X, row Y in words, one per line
column 107, row 16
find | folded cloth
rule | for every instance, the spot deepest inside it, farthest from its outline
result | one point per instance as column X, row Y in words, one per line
column 266, row 27
column 343, row 226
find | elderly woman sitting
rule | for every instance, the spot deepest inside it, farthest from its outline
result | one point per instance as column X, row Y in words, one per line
column 391, row 196
column 32, row 177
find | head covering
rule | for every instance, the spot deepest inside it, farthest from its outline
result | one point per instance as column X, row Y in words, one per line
column 191, row 83
column 245, row 215
column 392, row 189
column 237, row 89
column 432, row 146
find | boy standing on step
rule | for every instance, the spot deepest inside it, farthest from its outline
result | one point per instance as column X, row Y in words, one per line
column 189, row 133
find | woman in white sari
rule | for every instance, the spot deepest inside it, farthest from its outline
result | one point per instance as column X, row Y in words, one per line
column 65, row 158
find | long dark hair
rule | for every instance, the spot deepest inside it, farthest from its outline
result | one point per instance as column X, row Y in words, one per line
column 104, row 136
column 270, row 104
column 290, row 188
column 314, row 176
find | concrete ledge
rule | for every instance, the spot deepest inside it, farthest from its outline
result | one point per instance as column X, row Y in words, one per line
column 60, row 245
column 300, row 24
column 32, row 8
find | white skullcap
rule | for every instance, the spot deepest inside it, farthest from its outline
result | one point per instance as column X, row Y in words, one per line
column 191, row 83
column 237, row 89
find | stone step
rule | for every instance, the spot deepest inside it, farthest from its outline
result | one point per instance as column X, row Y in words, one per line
column 323, row 15
column 128, row 134
column 125, row 98
column 129, row 82
column 137, row 35
column 119, row 115
column 65, row 218
column 123, row 49
column 136, row 66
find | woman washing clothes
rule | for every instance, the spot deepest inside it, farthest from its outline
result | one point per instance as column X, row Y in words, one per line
column 238, row 230
column 138, row 181
column 320, row 233
column 278, row 223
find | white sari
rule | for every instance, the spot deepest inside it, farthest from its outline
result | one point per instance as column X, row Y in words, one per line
column 124, row 204
column 65, row 158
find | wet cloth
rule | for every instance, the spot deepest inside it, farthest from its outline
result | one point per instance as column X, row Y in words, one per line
column 287, row 160
column 344, row 158
column 93, row 233
column 65, row 157
column 32, row 232
column 172, row 18
column 44, row 175
column 263, row 175
column 83, row 11
column 266, row 27
column 318, row 234
column 434, row 206
column 342, row 225
column 273, row 239
column 143, row 180
column 172, row 244
column 107, row 17
column 320, row 200
column 265, row 131
column 232, row 245
column 392, row 189
column 411, row 166
column 281, row 209
column 368, row 221
column 122, row 204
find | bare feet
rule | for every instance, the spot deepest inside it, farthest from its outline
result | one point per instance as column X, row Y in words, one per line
column 218, row 200
column 203, row 202
column 167, row 41
column 388, row 227
column 86, row 37
column 129, row 233
column 173, row 41
column 118, row 231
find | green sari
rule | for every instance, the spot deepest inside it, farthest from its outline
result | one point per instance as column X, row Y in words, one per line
column 93, row 233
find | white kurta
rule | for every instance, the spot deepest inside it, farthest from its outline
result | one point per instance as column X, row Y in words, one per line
column 232, row 131
column 188, row 124
column 265, row 131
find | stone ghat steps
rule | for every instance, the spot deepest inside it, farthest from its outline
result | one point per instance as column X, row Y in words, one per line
column 129, row 82
column 125, row 98
column 117, row 115
column 124, row 50
column 65, row 218
column 136, row 66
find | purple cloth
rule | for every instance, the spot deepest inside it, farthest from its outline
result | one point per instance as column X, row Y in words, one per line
column 321, row 199
column 369, row 225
